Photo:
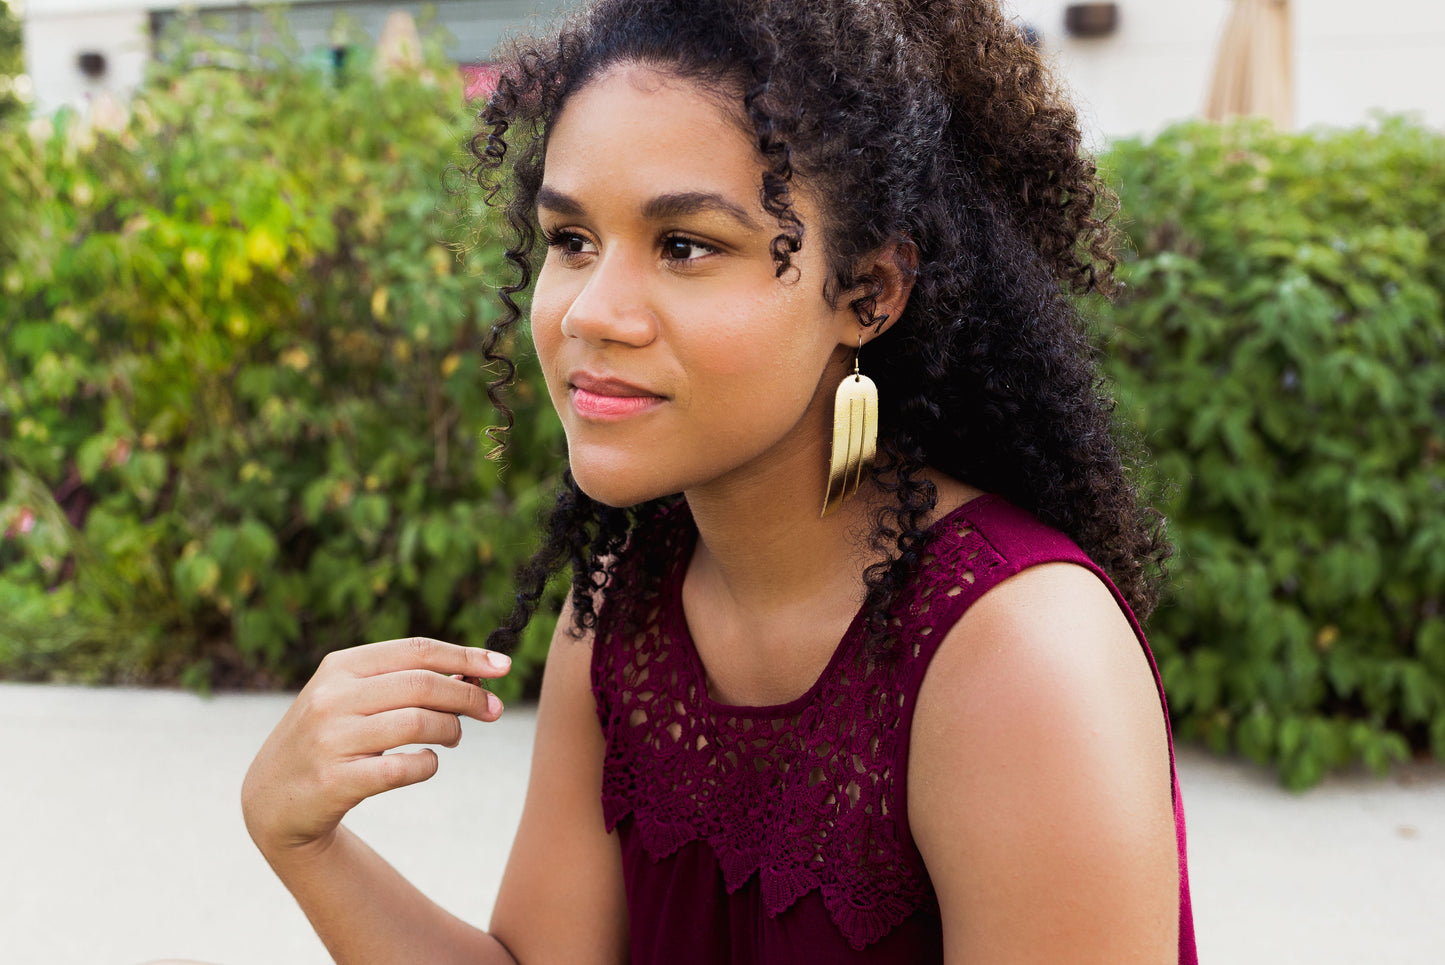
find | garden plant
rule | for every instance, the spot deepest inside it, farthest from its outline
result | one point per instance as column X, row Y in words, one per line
column 242, row 398
column 1280, row 345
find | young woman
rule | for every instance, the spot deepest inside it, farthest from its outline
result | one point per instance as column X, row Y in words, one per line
column 836, row 681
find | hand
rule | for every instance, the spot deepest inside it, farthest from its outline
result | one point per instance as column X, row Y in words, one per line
column 328, row 753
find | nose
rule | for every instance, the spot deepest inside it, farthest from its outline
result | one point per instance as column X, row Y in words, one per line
column 613, row 305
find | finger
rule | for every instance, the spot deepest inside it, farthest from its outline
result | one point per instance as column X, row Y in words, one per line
column 386, row 772
column 397, row 728
column 424, row 653
column 424, row 689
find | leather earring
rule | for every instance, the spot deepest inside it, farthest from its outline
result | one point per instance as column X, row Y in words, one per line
column 855, row 434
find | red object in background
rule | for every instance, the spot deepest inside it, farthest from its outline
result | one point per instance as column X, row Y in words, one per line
column 23, row 523
column 481, row 80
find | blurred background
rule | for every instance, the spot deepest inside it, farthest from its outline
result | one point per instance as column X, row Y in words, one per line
column 243, row 284
column 1135, row 66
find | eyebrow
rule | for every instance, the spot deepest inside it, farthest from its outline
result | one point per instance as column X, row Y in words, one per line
column 660, row 208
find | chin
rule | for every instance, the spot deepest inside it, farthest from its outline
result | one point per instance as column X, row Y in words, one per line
column 618, row 488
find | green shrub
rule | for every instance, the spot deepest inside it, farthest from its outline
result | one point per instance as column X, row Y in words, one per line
column 241, row 394
column 1281, row 347
column 241, row 401
column 12, row 62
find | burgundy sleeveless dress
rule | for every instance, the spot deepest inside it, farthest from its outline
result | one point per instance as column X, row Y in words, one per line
column 780, row 834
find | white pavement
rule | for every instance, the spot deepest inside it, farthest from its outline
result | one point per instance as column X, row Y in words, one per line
column 121, row 841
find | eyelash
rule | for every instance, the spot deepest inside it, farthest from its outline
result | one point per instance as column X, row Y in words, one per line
column 559, row 239
column 556, row 239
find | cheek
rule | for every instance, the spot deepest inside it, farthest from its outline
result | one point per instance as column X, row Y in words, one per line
column 548, row 309
column 788, row 348
column 765, row 338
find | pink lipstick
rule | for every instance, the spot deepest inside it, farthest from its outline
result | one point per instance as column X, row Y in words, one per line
column 595, row 397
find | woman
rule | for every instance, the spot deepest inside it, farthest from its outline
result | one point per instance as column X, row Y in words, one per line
column 813, row 696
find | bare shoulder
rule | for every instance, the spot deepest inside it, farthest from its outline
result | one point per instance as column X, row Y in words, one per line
column 1038, row 787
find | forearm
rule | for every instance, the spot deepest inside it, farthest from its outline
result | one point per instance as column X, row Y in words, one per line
column 365, row 912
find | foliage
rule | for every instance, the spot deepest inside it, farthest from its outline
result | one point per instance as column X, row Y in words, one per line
column 241, row 400
column 1281, row 347
column 12, row 62
column 241, row 396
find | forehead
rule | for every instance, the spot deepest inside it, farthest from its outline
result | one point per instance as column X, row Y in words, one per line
column 636, row 126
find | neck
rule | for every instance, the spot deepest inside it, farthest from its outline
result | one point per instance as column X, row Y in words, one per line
column 766, row 547
column 772, row 587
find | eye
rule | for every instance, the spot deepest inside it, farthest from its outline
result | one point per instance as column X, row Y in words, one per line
column 682, row 248
column 569, row 244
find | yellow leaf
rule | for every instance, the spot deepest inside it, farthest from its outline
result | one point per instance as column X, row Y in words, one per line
column 296, row 358
column 450, row 363
column 378, row 302
column 236, row 271
column 263, row 249
column 441, row 261
column 210, row 577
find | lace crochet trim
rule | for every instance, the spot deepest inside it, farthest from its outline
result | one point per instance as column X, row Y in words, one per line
column 803, row 794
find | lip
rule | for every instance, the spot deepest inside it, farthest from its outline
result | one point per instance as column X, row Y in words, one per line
column 606, row 398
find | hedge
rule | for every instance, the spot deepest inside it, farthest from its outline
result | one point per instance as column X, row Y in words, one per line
column 12, row 61
column 1281, row 348
column 241, row 393
column 241, row 400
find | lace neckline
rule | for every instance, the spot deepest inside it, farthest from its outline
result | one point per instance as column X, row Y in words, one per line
column 675, row 624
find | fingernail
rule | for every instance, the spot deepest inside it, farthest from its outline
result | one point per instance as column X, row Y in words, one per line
column 499, row 661
column 494, row 704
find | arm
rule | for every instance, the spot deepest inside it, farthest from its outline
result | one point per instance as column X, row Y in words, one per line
column 327, row 755
column 563, row 878
column 1038, row 786
column 562, row 897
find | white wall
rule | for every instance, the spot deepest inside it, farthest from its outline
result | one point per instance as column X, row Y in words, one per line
column 1154, row 70
column 54, row 41
column 1347, row 65
column 1350, row 59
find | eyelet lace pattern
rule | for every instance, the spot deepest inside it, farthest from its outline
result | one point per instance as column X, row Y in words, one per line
column 806, row 795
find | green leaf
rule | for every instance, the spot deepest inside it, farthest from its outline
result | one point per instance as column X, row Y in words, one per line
column 1437, row 736
column 1254, row 737
column 436, row 535
column 195, row 578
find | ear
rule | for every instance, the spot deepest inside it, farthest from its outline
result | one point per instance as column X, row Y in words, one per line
column 885, row 280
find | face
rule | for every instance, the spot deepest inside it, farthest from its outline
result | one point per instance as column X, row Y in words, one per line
column 676, row 358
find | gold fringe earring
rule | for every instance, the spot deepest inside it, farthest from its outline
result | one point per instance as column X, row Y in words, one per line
column 855, row 434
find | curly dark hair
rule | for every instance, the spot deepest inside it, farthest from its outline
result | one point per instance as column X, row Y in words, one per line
column 928, row 121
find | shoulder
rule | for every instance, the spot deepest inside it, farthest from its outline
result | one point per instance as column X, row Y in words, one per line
column 1045, row 663
column 1039, row 774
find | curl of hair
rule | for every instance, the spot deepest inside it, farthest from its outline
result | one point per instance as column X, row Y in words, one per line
column 930, row 123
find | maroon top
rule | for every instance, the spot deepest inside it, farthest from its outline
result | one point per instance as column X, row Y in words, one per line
column 780, row 834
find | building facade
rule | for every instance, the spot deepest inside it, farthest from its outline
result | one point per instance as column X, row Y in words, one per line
column 1156, row 66
column 78, row 49
column 1153, row 68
